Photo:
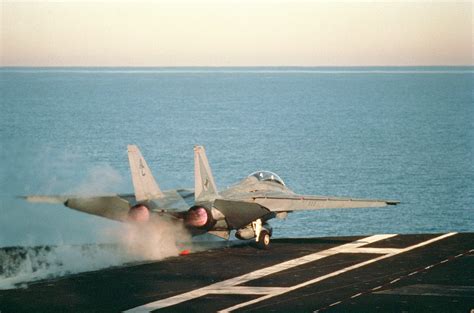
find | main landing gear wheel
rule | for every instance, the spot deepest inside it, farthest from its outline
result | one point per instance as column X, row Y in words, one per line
column 263, row 240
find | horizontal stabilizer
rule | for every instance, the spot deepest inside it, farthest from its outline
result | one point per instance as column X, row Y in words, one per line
column 144, row 184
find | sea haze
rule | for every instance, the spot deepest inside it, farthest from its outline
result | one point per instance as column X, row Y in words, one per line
column 393, row 133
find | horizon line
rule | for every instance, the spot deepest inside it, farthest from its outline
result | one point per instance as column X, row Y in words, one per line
column 227, row 66
column 246, row 70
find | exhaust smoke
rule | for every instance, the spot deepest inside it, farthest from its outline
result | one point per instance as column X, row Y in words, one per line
column 137, row 242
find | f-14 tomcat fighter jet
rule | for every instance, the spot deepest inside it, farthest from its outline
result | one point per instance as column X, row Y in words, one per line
column 245, row 207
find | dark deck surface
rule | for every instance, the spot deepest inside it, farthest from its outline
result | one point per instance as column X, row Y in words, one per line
column 413, row 275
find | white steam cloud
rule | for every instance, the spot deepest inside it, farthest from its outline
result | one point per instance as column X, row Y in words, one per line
column 151, row 241
column 109, row 243
column 100, row 180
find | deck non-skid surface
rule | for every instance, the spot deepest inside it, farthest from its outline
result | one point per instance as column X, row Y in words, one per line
column 377, row 273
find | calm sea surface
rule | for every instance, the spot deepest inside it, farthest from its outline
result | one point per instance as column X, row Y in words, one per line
column 396, row 133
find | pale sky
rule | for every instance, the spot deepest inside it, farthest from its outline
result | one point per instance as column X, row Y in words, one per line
column 235, row 33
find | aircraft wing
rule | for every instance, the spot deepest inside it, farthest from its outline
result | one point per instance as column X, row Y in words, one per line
column 117, row 206
column 287, row 203
column 112, row 207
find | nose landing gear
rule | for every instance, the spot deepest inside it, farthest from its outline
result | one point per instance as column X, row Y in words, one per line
column 262, row 234
column 263, row 240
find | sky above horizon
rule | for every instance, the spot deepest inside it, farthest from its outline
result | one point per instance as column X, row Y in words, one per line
column 236, row 33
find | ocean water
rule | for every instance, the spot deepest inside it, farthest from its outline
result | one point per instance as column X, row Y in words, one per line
column 398, row 133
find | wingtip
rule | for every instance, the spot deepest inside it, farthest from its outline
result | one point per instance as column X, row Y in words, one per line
column 392, row 202
column 44, row 199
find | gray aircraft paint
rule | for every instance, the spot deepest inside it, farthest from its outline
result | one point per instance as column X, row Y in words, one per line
column 262, row 195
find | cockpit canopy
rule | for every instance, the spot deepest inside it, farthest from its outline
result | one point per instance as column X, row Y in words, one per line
column 267, row 176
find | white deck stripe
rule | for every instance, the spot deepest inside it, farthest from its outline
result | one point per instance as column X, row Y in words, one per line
column 258, row 274
column 346, row 248
column 375, row 250
column 246, row 290
column 232, row 283
column 310, row 282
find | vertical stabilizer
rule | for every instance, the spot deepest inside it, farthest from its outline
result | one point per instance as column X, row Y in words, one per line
column 144, row 184
column 204, row 185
